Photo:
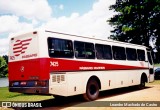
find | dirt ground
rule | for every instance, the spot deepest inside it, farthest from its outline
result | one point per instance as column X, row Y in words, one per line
column 150, row 93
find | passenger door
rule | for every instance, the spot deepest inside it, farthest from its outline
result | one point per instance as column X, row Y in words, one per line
column 151, row 67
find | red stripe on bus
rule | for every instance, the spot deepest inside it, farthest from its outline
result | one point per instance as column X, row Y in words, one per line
column 23, row 52
column 17, row 54
column 23, row 41
column 24, row 48
column 18, row 44
column 42, row 67
column 23, row 45
column 17, row 48
column 26, row 40
column 74, row 65
column 17, row 51
column 18, row 41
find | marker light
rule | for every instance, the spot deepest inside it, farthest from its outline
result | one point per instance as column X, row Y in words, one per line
column 35, row 32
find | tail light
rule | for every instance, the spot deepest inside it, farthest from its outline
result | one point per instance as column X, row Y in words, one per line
column 11, row 84
column 23, row 83
column 40, row 83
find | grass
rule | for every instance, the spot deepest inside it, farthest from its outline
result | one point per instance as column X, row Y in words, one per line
column 157, row 65
column 156, row 82
column 5, row 95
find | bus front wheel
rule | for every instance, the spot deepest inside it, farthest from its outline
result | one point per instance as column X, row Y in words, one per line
column 92, row 90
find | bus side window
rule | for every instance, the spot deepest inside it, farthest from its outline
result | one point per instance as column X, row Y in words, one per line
column 119, row 53
column 103, row 51
column 50, row 46
column 61, row 48
column 99, row 51
column 79, row 49
column 131, row 54
column 141, row 55
column 90, row 52
column 107, row 52
column 84, row 50
column 69, row 46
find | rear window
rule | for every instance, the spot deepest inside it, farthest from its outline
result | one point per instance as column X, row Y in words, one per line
column 60, row 48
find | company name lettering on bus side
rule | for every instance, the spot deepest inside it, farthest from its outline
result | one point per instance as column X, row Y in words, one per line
column 92, row 68
column 12, row 58
column 54, row 63
column 24, row 56
column 29, row 56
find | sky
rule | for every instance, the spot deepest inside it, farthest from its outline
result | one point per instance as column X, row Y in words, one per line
column 79, row 17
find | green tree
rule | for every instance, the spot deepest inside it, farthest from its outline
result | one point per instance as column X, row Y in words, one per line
column 3, row 67
column 5, row 58
column 136, row 21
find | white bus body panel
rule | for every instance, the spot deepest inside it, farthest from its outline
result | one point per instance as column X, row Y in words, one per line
column 74, row 83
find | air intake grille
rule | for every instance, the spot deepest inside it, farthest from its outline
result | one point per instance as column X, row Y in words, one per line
column 58, row 78
column 54, row 78
column 62, row 78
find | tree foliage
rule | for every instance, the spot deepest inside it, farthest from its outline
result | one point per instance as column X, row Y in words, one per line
column 5, row 58
column 3, row 67
column 136, row 21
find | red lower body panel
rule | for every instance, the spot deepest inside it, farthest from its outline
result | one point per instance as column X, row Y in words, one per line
column 34, row 69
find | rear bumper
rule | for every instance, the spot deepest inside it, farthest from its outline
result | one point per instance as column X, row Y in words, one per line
column 31, row 87
column 30, row 90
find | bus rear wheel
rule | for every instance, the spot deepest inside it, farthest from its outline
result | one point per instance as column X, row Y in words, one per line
column 142, row 84
column 57, row 97
column 92, row 90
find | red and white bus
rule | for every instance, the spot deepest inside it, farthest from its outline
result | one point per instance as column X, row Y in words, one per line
column 47, row 62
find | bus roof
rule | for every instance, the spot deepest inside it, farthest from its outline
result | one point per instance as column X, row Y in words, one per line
column 94, row 38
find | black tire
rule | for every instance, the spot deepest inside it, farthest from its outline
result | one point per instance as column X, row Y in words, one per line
column 142, row 84
column 92, row 90
column 59, row 98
